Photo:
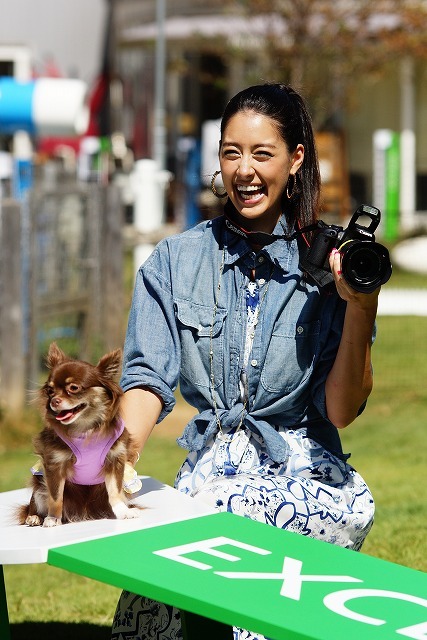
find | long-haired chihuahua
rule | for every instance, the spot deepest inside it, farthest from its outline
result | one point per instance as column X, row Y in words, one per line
column 84, row 446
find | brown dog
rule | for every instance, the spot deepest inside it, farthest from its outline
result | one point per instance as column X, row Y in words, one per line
column 84, row 446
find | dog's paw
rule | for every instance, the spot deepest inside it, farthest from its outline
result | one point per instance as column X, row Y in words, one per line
column 51, row 521
column 123, row 512
column 33, row 521
column 134, row 512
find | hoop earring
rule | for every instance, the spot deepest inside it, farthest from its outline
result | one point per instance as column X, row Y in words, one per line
column 294, row 184
column 216, row 193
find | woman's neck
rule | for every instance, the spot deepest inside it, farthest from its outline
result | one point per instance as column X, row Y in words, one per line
column 266, row 223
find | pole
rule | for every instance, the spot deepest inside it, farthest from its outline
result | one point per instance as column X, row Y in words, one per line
column 408, row 168
column 159, row 146
column 391, row 227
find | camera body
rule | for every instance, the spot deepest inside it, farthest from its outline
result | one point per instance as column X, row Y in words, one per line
column 365, row 263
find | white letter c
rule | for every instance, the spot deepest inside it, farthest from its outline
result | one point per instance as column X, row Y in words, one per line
column 337, row 602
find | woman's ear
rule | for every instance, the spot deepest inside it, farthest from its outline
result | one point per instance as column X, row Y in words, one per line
column 297, row 159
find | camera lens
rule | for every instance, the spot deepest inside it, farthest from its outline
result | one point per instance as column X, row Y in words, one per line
column 365, row 265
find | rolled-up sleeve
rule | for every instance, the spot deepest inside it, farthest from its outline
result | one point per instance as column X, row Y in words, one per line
column 152, row 351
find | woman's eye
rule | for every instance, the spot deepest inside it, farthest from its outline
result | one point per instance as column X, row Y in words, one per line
column 230, row 153
column 263, row 154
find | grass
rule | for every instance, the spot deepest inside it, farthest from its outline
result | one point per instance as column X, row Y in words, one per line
column 387, row 443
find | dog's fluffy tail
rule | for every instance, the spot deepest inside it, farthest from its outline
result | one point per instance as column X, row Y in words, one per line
column 21, row 513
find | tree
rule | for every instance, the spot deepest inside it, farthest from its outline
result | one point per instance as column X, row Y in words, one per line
column 322, row 47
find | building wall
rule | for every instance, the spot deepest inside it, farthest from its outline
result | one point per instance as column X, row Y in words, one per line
column 375, row 105
column 131, row 12
column 421, row 118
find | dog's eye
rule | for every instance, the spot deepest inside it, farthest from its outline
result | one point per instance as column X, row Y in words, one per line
column 50, row 391
column 74, row 388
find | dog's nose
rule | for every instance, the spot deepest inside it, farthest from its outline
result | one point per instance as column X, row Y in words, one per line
column 55, row 402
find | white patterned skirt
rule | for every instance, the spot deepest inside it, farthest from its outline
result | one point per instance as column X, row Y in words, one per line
column 313, row 493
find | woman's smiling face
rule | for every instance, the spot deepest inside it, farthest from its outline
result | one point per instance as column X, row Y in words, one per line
column 255, row 166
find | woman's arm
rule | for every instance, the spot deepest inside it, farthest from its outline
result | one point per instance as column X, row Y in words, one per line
column 151, row 354
column 140, row 410
column 349, row 382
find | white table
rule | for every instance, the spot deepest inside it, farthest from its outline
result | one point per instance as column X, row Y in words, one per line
column 20, row 544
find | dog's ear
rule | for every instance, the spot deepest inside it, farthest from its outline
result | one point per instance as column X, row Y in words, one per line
column 55, row 356
column 109, row 365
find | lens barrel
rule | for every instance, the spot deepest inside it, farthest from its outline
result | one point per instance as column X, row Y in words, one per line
column 365, row 265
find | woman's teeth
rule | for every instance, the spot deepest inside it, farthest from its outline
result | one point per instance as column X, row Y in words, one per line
column 249, row 192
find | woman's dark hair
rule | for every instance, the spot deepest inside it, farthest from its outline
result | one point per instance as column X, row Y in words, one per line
column 288, row 111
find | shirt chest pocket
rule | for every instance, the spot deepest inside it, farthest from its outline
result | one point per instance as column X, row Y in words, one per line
column 200, row 330
column 290, row 356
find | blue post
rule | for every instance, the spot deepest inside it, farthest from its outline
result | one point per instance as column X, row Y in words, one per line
column 16, row 106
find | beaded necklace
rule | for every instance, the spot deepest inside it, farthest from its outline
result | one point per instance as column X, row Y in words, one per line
column 221, row 435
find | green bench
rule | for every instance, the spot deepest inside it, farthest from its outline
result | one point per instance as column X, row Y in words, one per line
column 223, row 570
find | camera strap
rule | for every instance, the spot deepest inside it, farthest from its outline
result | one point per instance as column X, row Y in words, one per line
column 320, row 276
column 261, row 237
column 256, row 237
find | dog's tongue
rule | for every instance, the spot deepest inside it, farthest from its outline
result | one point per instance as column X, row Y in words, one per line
column 64, row 415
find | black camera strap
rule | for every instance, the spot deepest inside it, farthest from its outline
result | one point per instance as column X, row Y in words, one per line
column 262, row 238
column 256, row 237
column 320, row 276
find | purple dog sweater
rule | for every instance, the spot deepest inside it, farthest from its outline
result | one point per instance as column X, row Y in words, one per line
column 90, row 454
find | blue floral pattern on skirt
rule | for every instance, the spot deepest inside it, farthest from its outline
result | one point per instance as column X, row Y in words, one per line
column 312, row 493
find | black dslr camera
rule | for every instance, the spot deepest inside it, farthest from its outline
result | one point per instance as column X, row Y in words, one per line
column 365, row 263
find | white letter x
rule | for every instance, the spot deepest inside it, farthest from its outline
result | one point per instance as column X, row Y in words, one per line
column 291, row 576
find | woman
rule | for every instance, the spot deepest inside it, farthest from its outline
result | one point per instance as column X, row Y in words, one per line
column 273, row 363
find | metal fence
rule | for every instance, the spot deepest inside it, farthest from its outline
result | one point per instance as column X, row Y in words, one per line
column 61, row 262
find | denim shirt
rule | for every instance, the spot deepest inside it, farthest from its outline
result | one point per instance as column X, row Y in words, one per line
column 171, row 327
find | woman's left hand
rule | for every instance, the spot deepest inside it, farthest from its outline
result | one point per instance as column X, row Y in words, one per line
column 364, row 301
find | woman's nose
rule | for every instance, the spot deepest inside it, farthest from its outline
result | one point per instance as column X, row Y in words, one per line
column 245, row 168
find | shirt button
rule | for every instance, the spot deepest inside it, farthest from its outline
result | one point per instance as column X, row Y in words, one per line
column 300, row 330
column 254, row 363
column 261, row 259
column 261, row 281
